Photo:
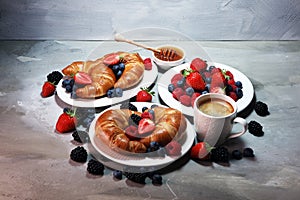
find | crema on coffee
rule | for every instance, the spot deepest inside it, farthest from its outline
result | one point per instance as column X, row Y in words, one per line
column 216, row 107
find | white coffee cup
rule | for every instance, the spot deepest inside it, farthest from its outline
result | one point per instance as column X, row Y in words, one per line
column 214, row 117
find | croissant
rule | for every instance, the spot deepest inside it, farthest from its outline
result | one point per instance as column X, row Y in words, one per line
column 170, row 123
column 103, row 77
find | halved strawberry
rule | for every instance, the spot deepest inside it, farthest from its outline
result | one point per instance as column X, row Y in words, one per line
column 146, row 125
column 82, row 78
column 201, row 151
column 111, row 59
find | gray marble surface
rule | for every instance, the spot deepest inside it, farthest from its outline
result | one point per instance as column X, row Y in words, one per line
column 34, row 160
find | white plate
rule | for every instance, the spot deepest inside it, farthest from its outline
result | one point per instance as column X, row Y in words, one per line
column 137, row 160
column 148, row 78
column 166, row 96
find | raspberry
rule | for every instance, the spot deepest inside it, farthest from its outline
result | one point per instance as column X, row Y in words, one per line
column 237, row 154
column 173, row 148
column 248, row 152
column 54, row 77
column 178, row 92
column 128, row 105
column 220, row 154
column 261, row 109
column 95, row 167
column 136, row 177
column 255, row 128
column 79, row 154
column 185, row 100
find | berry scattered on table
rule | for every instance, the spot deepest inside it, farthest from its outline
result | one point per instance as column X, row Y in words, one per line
column 145, row 95
column 220, row 154
column 54, row 77
column 79, row 154
column 66, row 122
column 173, row 148
column 261, row 108
column 117, row 174
column 136, row 177
column 255, row 128
column 95, row 167
column 201, row 151
column 80, row 136
column 237, row 154
column 156, row 179
column 248, row 152
column 48, row 89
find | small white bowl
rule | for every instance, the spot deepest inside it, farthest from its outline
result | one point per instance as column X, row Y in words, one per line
column 165, row 65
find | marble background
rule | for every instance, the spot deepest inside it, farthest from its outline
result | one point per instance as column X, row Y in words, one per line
column 198, row 19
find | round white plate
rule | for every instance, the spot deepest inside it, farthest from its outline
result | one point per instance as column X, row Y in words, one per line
column 139, row 160
column 148, row 78
column 166, row 96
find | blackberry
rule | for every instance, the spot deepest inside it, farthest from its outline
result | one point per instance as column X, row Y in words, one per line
column 156, row 179
column 54, row 77
column 220, row 154
column 128, row 105
column 136, row 177
column 79, row 154
column 118, row 174
column 95, row 167
column 248, row 152
column 76, row 137
column 255, row 128
column 261, row 109
column 237, row 154
column 135, row 119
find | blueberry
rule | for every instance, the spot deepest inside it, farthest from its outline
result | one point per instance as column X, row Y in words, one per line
column 115, row 68
column 121, row 66
column 144, row 108
column 156, row 179
column 72, row 81
column 204, row 92
column 69, row 88
column 110, row 93
column 189, row 91
column 208, row 80
column 119, row 74
column 228, row 89
column 237, row 154
column 239, row 84
column 239, row 93
column 180, row 83
column 171, row 87
column 154, row 146
column 248, row 152
column 118, row 92
column 153, row 106
column 65, row 83
column 117, row 174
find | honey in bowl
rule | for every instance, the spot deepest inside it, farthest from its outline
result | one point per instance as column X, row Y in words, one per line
column 216, row 108
column 168, row 53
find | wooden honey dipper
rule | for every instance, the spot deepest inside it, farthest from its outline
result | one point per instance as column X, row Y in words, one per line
column 165, row 54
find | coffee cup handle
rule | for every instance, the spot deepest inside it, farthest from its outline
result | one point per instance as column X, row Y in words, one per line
column 243, row 122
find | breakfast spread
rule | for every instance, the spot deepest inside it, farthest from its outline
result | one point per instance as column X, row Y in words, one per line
column 94, row 79
column 136, row 132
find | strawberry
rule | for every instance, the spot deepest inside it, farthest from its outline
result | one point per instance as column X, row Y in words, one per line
column 177, row 93
column 66, row 122
column 194, row 79
column 185, row 100
column 198, row 65
column 146, row 125
column 144, row 95
column 132, row 132
column 148, row 64
column 173, row 148
column 231, row 82
column 147, row 115
column 111, row 59
column 48, row 89
column 201, row 151
column 218, row 80
column 82, row 78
